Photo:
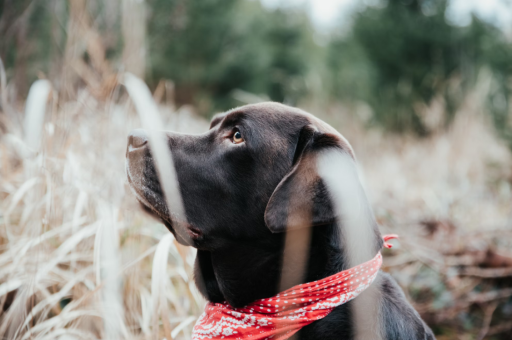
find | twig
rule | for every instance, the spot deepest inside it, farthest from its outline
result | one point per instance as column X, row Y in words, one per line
column 488, row 312
column 489, row 296
column 486, row 272
column 500, row 328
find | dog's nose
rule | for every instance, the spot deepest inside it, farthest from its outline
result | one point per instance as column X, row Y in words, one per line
column 137, row 139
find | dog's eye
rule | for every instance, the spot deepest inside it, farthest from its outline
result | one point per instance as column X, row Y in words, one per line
column 237, row 137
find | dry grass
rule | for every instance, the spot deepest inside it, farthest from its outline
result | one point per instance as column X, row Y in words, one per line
column 80, row 260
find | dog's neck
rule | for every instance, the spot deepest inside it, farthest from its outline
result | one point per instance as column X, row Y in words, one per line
column 244, row 273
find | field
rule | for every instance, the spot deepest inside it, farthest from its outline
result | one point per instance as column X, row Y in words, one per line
column 80, row 260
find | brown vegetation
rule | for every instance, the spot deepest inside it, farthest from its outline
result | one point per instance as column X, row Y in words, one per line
column 79, row 259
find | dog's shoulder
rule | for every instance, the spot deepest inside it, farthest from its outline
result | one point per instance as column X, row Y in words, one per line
column 400, row 319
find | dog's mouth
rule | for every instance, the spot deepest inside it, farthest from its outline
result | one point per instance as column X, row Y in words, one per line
column 194, row 233
column 154, row 204
column 145, row 185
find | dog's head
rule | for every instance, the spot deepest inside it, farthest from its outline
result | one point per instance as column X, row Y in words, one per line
column 253, row 174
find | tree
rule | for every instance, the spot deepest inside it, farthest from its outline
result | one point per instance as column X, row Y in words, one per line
column 211, row 47
column 410, row 55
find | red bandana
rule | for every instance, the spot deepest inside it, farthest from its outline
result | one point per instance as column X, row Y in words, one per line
column 281, row 316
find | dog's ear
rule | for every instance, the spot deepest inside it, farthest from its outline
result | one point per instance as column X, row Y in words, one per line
column 217, row 119
column 301, row 199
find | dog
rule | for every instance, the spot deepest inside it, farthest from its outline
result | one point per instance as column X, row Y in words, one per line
column 253, row 195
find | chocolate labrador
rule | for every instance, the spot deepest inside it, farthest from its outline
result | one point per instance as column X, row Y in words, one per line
column 247, row 183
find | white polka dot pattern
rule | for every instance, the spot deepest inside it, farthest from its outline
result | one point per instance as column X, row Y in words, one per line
column 281, row 316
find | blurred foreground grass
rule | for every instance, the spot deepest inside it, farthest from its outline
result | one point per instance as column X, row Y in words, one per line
column 80, row 260
column 77, row 253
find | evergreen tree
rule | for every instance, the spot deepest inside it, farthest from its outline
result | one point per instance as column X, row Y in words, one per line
column 211, row 47
column 405, row 53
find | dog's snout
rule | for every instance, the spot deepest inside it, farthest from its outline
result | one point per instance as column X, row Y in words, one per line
column 137, row 139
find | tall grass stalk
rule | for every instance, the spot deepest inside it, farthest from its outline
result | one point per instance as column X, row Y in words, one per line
column 75, row 249
column 150, row 118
